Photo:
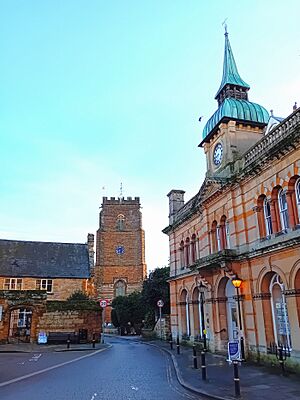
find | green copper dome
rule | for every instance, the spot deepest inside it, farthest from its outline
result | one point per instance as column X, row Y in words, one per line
column 232, row 98
column 241, row 110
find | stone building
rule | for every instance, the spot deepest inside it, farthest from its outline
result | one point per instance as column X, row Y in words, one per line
column 242, row 228
column 35, row 273
column 120, row 249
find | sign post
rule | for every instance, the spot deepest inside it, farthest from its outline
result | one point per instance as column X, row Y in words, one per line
column 234, row 357
column 103, row 304
column 160, row 305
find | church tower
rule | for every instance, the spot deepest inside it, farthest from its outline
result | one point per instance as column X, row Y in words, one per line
column 236, row 125
column 120, row 249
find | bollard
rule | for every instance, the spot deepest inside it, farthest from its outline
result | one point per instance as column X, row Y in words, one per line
column 178, row 345
column 171, row 341
column 203, row 365
column 94, row 340
column 195, row 357
column 236, row 378
column 68, row 342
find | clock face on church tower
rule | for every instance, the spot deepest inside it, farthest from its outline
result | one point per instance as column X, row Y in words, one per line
column 218, row 154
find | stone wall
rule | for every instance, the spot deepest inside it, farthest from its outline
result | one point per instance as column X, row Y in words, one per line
column 71, row 321
column 62, row 287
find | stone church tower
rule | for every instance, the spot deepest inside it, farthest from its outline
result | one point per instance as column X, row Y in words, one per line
column 120, row 249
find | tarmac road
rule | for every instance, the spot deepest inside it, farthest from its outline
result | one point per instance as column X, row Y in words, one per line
column 129, row 370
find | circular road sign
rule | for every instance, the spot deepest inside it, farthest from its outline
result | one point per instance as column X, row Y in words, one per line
column 103, row 303
column 160, row 303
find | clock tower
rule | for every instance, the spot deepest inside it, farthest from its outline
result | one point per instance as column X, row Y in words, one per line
column 120, row 249
column 236, row 125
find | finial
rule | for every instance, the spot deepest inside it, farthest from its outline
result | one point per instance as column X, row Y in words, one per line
column 295, row 106
column 225, row 26
column 121, row 190
column 271, row 112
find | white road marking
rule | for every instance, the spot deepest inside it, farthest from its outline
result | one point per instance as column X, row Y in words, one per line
column 35, row 357
column 20, row 378
column 94, row 395
column 134, row 388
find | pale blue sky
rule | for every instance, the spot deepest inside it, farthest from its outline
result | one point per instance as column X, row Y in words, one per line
column 94, row 93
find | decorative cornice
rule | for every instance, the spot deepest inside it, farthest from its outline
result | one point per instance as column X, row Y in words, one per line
column 261, row 296
column 292, row 292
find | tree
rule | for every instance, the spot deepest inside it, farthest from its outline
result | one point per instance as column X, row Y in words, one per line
column 138, row 307
column 156, row 287
column 128, row 311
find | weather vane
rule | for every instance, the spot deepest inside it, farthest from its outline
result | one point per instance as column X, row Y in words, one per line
column 121, row 189
column 225, row 25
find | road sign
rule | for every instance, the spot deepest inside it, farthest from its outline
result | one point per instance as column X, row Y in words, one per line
column 160, row 303
column 233, row 351
column 103, row 303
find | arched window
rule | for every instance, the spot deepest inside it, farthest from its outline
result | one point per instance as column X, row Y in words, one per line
column 214, row 242
column 218, row 235
column 181, row 254
column 227, row 233
column 120, row 222
column 120, row 288
column 279, row 312
column 297, row 190
column 187, row 252
column 267, row 217
column 283, row 209
column 193, row 249
column 185, row 314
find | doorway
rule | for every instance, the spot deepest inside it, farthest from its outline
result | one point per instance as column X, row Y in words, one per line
column 20, row 325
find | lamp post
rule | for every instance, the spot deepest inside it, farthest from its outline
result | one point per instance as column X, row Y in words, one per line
column 202, row 316
column 237, row 283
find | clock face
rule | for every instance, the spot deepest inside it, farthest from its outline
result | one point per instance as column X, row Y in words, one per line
column 120, row 250
column 218, row 154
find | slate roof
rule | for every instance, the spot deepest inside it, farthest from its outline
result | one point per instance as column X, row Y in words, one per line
column 43, row 259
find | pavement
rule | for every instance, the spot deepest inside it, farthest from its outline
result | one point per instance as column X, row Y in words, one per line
column 256, row 382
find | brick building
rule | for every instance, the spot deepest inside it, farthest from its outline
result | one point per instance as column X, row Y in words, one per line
column 120, row 249
column 240, row 228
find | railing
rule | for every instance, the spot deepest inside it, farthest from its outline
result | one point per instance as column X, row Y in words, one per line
column 275, row 136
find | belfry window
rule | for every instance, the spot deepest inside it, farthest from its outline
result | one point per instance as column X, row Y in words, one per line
column 120, row 222
column 267, row 215
column 283, row 208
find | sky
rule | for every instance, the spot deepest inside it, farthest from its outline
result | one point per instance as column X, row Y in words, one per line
column 95, row 93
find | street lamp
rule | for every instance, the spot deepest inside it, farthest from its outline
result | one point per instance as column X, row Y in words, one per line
column 237, row 283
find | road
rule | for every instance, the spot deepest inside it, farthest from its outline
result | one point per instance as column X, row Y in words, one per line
column 129, row 370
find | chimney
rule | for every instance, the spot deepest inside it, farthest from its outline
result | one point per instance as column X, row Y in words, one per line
column 176, row 201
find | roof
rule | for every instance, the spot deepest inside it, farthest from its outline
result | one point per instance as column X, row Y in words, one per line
column 230, row 71
column 43, row 259
column 241, row 110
